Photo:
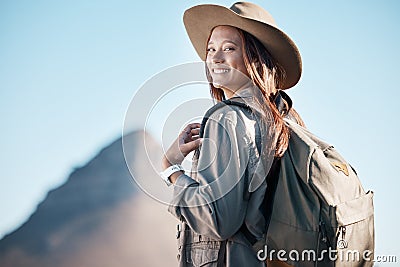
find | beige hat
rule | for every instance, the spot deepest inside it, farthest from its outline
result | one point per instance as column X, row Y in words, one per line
column 200, row 20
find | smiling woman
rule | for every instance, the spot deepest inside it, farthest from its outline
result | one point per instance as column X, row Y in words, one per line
column 221, row 203
column 224, row 53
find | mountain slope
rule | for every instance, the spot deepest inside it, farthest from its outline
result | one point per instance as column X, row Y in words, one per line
column 99, row 217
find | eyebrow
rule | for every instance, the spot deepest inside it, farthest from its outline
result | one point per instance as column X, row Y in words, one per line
column 226, row 41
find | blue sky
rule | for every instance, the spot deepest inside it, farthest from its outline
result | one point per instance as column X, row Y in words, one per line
column 68, row 70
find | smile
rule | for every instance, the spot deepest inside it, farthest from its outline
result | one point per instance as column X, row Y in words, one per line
column 220, row 70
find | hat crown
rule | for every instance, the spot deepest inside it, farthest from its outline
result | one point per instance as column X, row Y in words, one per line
column 253, row 11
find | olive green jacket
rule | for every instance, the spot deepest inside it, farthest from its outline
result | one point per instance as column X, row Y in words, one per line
column 225, row 189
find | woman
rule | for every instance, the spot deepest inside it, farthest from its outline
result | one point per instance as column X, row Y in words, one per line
column 221, row 204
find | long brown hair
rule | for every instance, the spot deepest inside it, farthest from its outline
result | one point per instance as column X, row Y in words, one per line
column 268, row 76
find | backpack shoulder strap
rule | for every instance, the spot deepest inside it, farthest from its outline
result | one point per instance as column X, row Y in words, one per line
column 217, row 106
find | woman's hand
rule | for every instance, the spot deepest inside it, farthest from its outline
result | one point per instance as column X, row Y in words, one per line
column 187, row 141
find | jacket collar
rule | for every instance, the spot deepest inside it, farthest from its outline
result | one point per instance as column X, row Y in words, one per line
column 283, row 102
column 249, row 94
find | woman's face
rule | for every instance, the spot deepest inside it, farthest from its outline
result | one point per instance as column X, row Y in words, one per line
column 225, row 60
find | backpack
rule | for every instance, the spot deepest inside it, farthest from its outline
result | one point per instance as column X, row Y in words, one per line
column 320, row 214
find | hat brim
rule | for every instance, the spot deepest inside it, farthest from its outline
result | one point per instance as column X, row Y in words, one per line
column 200, row 20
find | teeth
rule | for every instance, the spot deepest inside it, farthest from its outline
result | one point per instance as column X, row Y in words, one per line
column 220, row 70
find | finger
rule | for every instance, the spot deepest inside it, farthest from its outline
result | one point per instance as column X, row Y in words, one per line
column 188, row 132
column 195, row 125
column 195, row 131
column 188, row 138
column 190, row 146
column 191, row 126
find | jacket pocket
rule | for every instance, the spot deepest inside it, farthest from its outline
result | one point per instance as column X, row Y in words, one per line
column 201, row 256
column 201, row 251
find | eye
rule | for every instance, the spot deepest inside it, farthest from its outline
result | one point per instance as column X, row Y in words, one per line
column 229, row 48
column 210, row 49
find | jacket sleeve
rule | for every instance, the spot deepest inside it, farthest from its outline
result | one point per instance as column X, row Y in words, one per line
column 215, row 203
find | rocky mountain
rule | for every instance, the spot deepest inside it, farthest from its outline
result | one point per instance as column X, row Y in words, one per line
column 100, row 216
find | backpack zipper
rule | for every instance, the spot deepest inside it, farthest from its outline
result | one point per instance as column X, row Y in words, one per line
column 322, row 236
column 342, row 243
column 322, row 229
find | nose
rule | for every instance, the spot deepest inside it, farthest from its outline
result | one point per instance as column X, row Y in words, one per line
column 217, row 57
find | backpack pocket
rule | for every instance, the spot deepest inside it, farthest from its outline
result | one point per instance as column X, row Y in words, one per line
column 352, row 231
column 354, row 210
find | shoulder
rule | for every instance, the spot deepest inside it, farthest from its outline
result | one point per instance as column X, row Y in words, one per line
column 229, row 114
column 230, row 121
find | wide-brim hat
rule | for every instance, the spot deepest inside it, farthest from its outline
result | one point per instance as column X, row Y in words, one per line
column 200, row 20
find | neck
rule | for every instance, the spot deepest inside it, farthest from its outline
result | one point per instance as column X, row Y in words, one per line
column 229, row 93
